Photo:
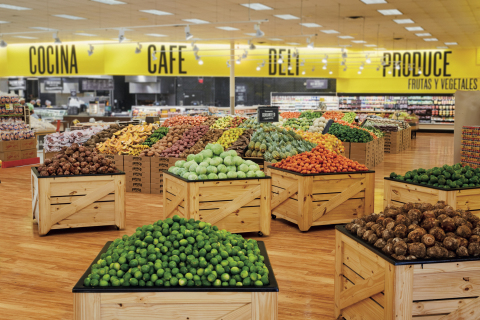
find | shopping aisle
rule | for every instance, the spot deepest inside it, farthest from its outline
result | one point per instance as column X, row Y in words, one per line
column 51, row 265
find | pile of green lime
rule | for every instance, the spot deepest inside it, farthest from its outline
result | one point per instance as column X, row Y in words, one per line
column 179, row 252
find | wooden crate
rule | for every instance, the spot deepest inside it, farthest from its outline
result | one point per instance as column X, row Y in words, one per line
column 397, row 193
column 238, row 205
column 372, row 286
column 363, row 153
column 62, row 202
column 327, row 198
column 177, row 303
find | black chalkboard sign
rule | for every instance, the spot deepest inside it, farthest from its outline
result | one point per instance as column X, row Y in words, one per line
column 267, row 114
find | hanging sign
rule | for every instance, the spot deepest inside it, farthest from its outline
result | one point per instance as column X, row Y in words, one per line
column 317, row 84
column 53, row 85
column 267, row 114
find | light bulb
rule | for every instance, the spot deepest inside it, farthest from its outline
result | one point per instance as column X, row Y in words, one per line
column 303, row 72
column 359, row 72
column 200, row 61
column 258, row 68
column 368, row 59
column 238, row 61
column 361, row 66
column 289, row 67
column 419, row 71
column 324, row 67
column 389, row 71
column 280, row 59
column 331, row 72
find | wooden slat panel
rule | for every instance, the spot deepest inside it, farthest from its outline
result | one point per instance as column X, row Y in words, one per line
column 83, row 224
column 245, row 220
column 327, row 196
column 363, row 289
column 288, row 208
column 435, row 317
column 344, row 213
column 468, row 312
column 219, row 204
column 446, row 285
column 339, row 177
column 96, row 212
column 177, row 297
column 64, row 200
column 469, row 192
column 350, row 278
column 227, row 193
column 243, row 313
column 469, row 202
column 264, row 306
column 173, row 186
column 438, row 306
column 167, row 311
column 398, row 291
column 206, row 184
column 364, row 310
column 86, row 306
column 406, row 195
column 59, row 188
column 447, row 267
column 365, row 263
column 330, row 186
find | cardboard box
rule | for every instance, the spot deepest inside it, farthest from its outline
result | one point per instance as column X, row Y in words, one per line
column 157, row 178
column 116, row 159
column 128, row 169
column 10, row 155
column 28, row 144
column 157, row 171
column 48, row 155
column 145, row 189
column 136, row 179
column 28, row 154
column 131, row 159
column 156, row 188
column 363, row 153
column 347, row 149
column 134, row 184
column 9, row 146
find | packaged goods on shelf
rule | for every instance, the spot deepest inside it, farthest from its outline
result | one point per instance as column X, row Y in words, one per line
column 127, row 141
column 470, row 150
column 14, row 129
column 56, row 141
column 9, row 105
column 39, row 125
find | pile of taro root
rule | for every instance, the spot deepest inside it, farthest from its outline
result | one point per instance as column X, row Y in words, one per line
column 421, row 231
column 76, row 160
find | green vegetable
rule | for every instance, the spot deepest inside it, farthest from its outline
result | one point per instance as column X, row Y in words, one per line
column 393, row 175
column 347, row 134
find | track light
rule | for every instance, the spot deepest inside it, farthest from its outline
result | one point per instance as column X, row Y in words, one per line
column 188, row 35
column 313, row 69
column 389, row 71
column 3, row 44
column 397, row 66
column 195, row 48
column 289, row 67
column 419, row 71
column 251, row 45
column 345, row 69
column 361, row 66
column 153, row 56
column 138, row 49
column 302, row 63
column 200, row 61
column 344, row 53
column 330, row 72
column 294, row 53
column 310, row 44
column 90, row 52
column 245, row 54
column 378, row 68
column 258, row 33
column 263, row 64
column 368, row 59
column 324, row 67
column 280, row 59
column 324, row 60
column 228, row 64
column 384, row 63
column 359, row 72
column 56, row 38
column 121, row 35
column 197, row 57
column 303, row 72
column 193, row 43
column 238, row 61
column 343, row 63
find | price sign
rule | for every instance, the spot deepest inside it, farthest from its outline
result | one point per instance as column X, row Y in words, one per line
column 267, row 114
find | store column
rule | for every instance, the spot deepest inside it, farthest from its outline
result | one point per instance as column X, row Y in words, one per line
column 232, row 78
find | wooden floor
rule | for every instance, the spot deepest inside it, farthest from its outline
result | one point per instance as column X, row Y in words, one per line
column 38, row 273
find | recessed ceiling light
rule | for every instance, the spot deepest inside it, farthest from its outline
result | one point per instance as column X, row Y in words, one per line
column 403, row 21
column 390, row 12
column 442, row 47
column 275, row 39
column 373, row 1
column 227, row 28
column 430, row 39
column 256, row 6
column 359, row 41
column 67, row 16
column 381, row 49
column 157, row 12
column 311, row 25
column 196, row 21
column 423, row 34
column 330, row 31
column 85, row 34
column 414, row 28
column 250, row 34
column 25, row 37
column 8, row 6
column 345, row 37
column 370, row 45
column 155, row 35
column 293, row 43
column 124, row 39
column 286, row 16
column 451, row 43
column 110, row 1
column 42, row 28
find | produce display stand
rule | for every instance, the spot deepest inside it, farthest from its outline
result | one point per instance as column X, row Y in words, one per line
column 227, row 303
column 237, row 205
column 62, row 202
column 321, row 199
column 371, row 285
column 397, row 193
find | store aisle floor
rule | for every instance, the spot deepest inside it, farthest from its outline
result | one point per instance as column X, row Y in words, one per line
column 38, row 273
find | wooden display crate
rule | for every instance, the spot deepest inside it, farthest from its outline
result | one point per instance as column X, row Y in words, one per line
column 397, row 193
column 380, row 151
column 363, row 153
column 329, row 198
column 62, row 202
column 393, row 142
column 373, row 286
column 177, row 303
column 238, row 205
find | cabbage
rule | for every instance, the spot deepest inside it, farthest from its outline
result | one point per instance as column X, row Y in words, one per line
column 243, row 167
column 181, row 171
column 223, row 155
column 201, row 170
column 228, row 160
column 185, row 175
column 190, row 157
column 217, row 149
column 233, row 153
column 252, row 167
column 192, row 176
column 207, row 153
column 231, row 175
column 231, row 168
column 237, row 160
column 222, row 168
column 193, row 167
column 170, row 169
column 212, row 176
column 188, row 164
column 249, row 162
column 260, row 174
column 175, row 170
column 250, row 174
column 202, row 177
column 211, row 169
column 241, row 174
column 204, row 164
column 180, row 163
column 222, row 175
column 198, row 158
column 209, row 146
column 216, row 161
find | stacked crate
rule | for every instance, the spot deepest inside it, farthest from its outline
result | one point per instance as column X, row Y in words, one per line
column 363, row 153
column 470, row 152
column 379, row 150
column 407, row 138
column 137, row 170
column 393, row 142
column 116, row 159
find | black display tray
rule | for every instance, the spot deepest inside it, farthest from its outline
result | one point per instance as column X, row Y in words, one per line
column 327, row 126
column 396, row 262
column 318, row 174
column 208, row 180
column 431, row 187
column 272, row 287
column 34, row 169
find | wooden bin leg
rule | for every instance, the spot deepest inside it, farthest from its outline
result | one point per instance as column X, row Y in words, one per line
column 387, row 193
column 338, row 271
column 120, row 201
column 44, row 214
column 265, row 206
column 192, row 201
column 305, row 210
column 369, row 194
column 398, row 292
column 264, row 306
column 86, row 306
